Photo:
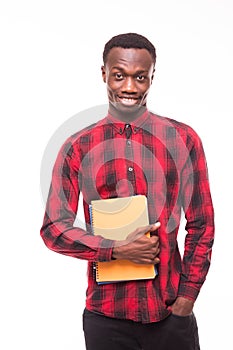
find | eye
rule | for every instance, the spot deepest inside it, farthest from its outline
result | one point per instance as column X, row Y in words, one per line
column 141, row 77
column 118, row 76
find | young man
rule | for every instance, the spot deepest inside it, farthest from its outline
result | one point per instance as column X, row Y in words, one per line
column 133, row 151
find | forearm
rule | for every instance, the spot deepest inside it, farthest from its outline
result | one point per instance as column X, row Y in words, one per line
column 75, row 242
column 199, row 213
column 198, row 246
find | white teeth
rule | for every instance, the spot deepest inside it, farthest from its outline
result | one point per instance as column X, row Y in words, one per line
column 128, row 99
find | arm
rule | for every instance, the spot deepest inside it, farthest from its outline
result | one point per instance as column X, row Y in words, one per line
column 57, row 230
column 198, row 208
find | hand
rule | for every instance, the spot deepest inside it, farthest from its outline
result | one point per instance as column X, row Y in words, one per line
column 139, row 248
column 182, row 307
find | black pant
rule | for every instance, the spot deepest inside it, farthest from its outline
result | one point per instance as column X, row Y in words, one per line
column 105, row 333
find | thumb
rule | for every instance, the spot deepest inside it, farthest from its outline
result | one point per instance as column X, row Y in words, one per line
column 140, row 231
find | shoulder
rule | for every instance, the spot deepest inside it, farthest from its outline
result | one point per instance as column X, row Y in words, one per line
column 176, row 128
column 82, row 137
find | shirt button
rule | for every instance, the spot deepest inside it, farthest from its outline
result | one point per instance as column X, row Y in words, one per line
column 130, row 168
column 128, row 142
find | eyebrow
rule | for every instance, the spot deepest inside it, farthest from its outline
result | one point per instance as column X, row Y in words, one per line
column 137, row 72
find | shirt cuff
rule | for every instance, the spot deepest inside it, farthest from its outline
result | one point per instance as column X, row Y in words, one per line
column 104, row 252
column 188, row 292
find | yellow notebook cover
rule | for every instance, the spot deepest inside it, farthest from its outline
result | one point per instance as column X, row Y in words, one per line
column 114, row 219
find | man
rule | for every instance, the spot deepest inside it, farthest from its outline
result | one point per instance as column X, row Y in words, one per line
column 133, row 151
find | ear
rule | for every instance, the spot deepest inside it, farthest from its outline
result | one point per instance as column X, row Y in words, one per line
column 103, row 73
column 152, row 77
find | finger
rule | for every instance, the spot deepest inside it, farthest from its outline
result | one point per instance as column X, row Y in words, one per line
column 148, row 228
column 154, row 240
column 140, row 231
column 155, row 252
column 146, row 261
column 145, row 229
column 155, row 226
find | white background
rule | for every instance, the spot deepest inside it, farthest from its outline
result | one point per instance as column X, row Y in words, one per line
column 51, row 53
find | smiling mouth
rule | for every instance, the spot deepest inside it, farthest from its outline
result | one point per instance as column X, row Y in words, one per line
column 128, row 101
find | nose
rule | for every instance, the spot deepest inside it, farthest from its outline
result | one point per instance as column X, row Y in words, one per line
column 129, row 85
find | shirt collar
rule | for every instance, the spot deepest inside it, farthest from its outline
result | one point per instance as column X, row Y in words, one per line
column 136, row 124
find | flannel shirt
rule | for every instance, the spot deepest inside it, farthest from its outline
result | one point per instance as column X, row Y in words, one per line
column 160, row 158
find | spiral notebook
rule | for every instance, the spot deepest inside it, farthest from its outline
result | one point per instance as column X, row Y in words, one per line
column 114, row 219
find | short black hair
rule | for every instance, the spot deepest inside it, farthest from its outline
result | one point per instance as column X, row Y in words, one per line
column 128, row 41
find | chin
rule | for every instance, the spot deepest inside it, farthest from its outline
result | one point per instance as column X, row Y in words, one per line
column 127, row 108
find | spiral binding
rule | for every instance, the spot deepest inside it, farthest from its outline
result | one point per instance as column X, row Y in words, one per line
column 95, row 271
column 95, row 264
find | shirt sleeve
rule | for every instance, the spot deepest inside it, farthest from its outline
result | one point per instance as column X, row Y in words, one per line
column 58, row 231
column 199, row 213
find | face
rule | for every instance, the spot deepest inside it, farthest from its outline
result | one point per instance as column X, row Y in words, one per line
column 128, row 74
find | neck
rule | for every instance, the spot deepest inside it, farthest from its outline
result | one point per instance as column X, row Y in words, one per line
column 127, row 114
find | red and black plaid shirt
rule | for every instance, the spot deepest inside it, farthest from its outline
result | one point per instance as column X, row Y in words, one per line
column 160, row 158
